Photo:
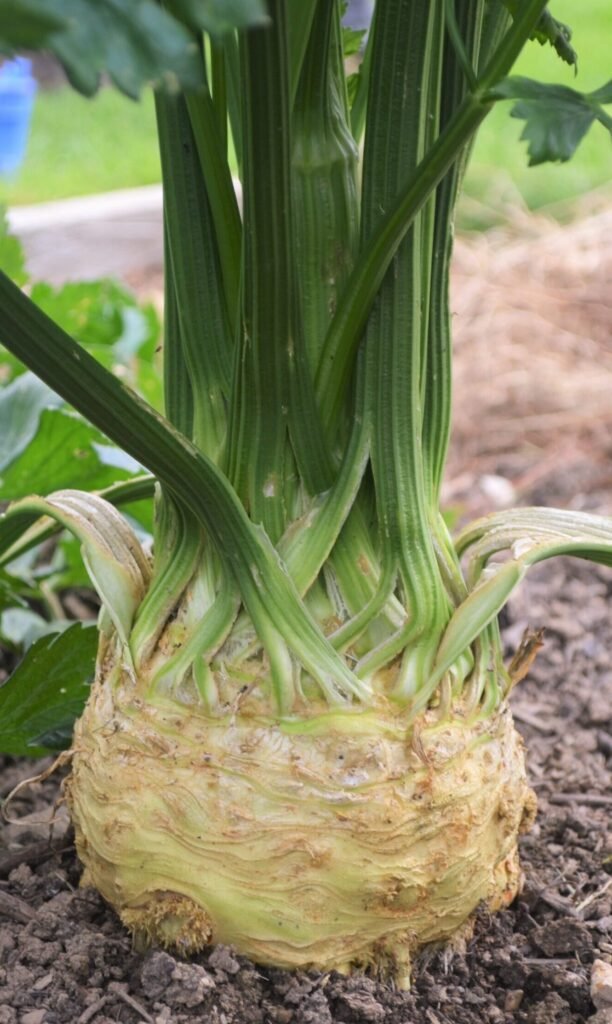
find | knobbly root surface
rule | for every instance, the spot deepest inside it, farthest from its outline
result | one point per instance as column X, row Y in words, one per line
column 169, row 920
column 340, row 847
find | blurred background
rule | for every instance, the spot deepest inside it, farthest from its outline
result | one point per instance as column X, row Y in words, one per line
column 79, row 146
column 533, row 261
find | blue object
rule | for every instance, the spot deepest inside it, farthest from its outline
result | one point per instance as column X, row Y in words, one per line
column 358, row 14
column 17, row 90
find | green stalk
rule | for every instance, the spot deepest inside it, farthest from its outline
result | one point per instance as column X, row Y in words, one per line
column 177, row 534
column 475, row 29
column 212, row 146
column 178, row 393
column 324, row 182
column 326, row 218
column 299, row 26
column 219, row 93
column 360, row 102
column 476, row 32
column 232, row 71
column 351, row 317
column 178, row 542
column 194, row 266
column 437, row 378
column 495, row 23
column 308, row 542
column 259, row 461
column 347, row 634
column 405, row 64
column 195, row 276
column 270, row 597
column 21, row 534
column 199, row 648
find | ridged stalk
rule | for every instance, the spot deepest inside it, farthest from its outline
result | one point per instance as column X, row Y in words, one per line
column 326, row 233
column 324, row 182
column 346, row 329
column 195, row 269
column 259, row 443
column 480, row 26
column 402, row 107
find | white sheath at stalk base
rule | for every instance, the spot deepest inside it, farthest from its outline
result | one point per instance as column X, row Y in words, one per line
column 330, row 842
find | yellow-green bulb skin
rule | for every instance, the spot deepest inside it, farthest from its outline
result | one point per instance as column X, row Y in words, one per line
column 349, row 839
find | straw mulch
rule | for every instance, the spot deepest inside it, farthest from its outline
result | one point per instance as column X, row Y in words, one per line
column 532, row 318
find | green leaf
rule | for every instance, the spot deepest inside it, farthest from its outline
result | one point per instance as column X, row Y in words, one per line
column 531, row 535
column 12, row 263
column 20, row 627
column 12, row 259
column 10, row 592
column 220, row 16
column 100, row 315
column 47, row 692
column 478, row 609
column 106, row 319
column 352, row 39
column 45, row 448
column 549, row 30
column 65, row 452
column 134, row 42
column 557, row 117
column 121, row 333
column 115, row 560
column 113, row 326
column 18, row 539
column 26, row 25
column 21, row 406
column 603, row 94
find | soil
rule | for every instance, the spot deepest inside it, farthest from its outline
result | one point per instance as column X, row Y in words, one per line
column 66, row 959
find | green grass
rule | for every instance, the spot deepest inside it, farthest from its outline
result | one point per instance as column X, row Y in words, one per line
column 499, row 174
column 78, row 146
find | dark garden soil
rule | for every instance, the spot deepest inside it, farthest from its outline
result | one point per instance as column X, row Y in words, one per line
column 66, row 959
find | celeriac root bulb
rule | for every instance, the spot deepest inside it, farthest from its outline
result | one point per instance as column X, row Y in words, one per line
column 346, row 839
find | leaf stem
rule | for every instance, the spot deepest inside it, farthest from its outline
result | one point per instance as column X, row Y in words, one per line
column 356, row 302
column 263, row 581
